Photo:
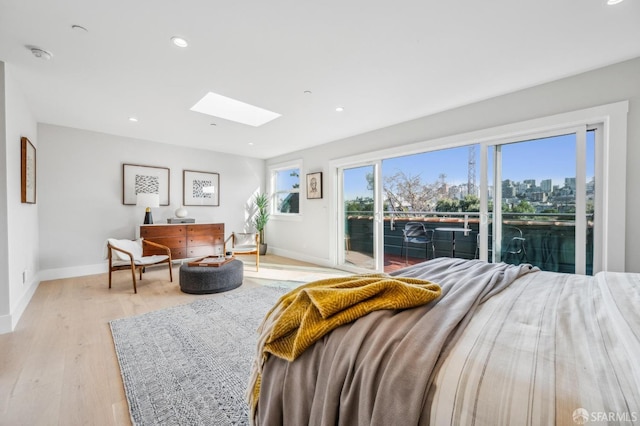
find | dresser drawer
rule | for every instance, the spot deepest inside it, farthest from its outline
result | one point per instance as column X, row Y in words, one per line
column 206, row 229
column 150, row 232
column 171, row 242
column 178, row 253
column 173, row 245
column 204, row 240
column 202, row 251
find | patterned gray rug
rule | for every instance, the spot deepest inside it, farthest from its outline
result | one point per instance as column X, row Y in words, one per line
column 189, row 365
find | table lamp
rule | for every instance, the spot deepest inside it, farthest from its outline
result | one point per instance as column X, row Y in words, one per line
column 148, row 200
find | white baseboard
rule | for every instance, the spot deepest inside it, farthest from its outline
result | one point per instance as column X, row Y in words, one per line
column 303, row 258
column 73, row 271
column 5, row 324
column 8, row 322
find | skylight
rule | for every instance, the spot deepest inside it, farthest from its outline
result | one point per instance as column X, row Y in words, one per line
column 231, row 109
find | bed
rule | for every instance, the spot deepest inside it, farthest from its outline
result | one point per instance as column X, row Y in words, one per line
column 501, row 345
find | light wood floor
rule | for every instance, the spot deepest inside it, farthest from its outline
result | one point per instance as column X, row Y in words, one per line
column 59, row 366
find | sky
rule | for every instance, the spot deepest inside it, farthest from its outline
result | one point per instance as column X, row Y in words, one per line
column 550, row 158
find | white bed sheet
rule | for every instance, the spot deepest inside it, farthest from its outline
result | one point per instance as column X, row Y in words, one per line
column 549, row 349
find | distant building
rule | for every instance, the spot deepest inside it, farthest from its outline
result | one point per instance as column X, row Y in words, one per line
column 521, row 188
column 508, row 191
column 570, row 183
column 546, row 185
column 290, row 204
column 540, row 197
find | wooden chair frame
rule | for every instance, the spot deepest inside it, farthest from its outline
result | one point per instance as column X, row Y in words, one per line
column 137, row 266
column 232, row 238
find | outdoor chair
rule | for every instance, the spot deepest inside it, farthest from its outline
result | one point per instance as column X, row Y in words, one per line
column 416, row 233
column 514, row 245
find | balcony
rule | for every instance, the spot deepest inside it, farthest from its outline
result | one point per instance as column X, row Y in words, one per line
column 549, row 239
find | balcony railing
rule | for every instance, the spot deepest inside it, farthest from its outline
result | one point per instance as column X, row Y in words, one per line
column 549, row 238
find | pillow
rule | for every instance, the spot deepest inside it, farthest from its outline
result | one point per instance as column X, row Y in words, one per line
column 132, row 246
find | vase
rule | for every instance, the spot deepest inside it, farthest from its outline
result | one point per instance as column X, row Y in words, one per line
column 181, row 212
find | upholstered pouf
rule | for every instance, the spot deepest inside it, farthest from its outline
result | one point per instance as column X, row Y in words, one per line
column 210, row 279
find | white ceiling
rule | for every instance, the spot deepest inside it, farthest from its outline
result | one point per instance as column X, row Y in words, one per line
column 384, row 62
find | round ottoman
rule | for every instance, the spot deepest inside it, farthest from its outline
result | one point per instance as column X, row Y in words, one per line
column 209, row 279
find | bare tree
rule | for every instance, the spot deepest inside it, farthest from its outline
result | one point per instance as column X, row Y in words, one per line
column 407, row 193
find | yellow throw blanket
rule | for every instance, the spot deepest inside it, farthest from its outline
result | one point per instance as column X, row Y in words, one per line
column 305, row 314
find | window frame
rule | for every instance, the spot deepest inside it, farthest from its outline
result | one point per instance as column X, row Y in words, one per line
column 273, row 173
column 580, row 226
column 610, row 170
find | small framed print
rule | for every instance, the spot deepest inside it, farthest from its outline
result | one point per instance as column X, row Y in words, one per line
column 28, row 171
column 314, row 185
column 144, row 179
column 200, row 188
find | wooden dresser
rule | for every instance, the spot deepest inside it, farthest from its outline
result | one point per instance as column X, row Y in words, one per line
column 185, row 240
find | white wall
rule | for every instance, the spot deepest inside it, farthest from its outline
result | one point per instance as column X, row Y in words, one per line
column 80, row 193
column 5, row 302
column 607, row 85
column 19, row 222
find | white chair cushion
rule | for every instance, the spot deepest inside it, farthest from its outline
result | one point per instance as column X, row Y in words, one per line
column 146, row 260
column 150, row 260
column 132, row 246
column 244, row 248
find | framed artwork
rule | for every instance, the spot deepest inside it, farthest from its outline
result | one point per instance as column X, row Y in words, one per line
column 28, row 171
column 144, row 179
column 314, row 185
column 200, row 188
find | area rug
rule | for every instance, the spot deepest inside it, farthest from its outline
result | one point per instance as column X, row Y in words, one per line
column 190, row 364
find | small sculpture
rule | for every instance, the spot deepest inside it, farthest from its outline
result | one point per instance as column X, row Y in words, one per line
column 181, row 212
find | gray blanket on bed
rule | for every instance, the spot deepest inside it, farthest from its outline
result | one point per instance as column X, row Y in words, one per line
column 351, row 376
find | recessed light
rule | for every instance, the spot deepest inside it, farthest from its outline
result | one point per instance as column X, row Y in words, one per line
column 339, row 109
column 250, row 143
column 234, row 110
column 612, row 2
column 307, row 92
column 179, row 41
column 133, row 119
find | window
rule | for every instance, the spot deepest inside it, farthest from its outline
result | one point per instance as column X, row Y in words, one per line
column 547, row 188
column 576, row 201
column 285, row 189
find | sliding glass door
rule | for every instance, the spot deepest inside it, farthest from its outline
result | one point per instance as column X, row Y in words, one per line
column 360, row 218
column 540, row 207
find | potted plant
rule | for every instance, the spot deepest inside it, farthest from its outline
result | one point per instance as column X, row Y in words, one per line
column 261, row 201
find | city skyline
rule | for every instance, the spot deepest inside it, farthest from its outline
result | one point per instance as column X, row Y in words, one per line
column 520, row 161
